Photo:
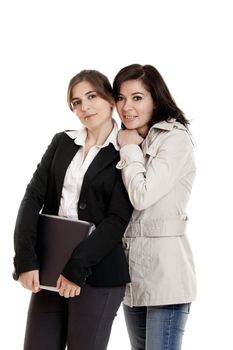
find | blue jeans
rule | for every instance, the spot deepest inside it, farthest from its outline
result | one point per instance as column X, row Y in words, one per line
column 156, row 327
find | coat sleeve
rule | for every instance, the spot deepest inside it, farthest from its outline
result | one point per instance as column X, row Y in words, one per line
column 147, row 183
column 104, row 238
column 26, row 223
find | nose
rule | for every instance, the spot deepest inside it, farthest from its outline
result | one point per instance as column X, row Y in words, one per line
column 85, row 106
column 126, row 105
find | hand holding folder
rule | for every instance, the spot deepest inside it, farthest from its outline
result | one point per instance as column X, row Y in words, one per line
column 57, row 237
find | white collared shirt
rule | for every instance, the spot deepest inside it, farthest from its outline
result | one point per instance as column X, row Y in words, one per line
column 77, row 169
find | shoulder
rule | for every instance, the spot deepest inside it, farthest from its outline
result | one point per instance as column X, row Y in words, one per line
column 62, row 135
column 168, row 126
column 60, row 140
column 171, row 128
column 171, row 135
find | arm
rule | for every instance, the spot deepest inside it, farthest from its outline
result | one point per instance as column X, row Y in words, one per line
column 26, row 222
column 147, row 184
column 107, row 235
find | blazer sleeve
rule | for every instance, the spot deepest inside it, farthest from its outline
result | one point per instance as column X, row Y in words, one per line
column 104, row 238
column 148, row 183
column 26, row 223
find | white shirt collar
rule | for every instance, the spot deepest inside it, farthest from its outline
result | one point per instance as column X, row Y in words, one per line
column 79, row 136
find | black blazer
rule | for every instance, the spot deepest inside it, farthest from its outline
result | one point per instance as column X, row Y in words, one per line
column 100, row 259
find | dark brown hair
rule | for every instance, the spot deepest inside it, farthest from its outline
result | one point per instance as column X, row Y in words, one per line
column 98, row 80
column 165, row 106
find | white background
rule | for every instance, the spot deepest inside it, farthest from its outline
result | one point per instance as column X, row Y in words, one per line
column 45, row 43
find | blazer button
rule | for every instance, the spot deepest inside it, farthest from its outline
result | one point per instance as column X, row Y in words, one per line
column 82, row 205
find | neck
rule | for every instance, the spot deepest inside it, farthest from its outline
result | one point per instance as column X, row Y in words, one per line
column 98, row 137
column 143, row 131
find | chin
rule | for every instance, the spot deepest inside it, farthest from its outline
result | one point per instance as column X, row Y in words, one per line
column 130, row 126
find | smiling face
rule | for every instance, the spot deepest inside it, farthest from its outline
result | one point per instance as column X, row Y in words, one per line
column 134, row 105
column 93, row 111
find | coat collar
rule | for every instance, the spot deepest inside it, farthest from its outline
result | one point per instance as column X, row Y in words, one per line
column 153, row 133
column 168, row 126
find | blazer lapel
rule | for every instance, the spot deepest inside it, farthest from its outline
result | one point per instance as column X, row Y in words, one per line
column 67, row 151
column 105, row 156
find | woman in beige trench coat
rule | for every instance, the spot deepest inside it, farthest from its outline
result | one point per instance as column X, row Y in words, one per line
column 158, row 170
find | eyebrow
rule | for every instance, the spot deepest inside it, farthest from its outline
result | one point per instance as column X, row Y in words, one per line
column 134, row 93
column 87, row 93
column 90, row 92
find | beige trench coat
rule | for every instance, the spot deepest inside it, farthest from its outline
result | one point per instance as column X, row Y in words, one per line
column 159, row 178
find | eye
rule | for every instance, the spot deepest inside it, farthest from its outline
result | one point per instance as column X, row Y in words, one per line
column 137, row 98
column 91, row 96
column 75, row 102
column 119, row 98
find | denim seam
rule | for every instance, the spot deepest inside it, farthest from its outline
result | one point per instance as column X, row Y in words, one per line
column 168, row 335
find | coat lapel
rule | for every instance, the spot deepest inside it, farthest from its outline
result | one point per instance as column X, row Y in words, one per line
column 105, row 156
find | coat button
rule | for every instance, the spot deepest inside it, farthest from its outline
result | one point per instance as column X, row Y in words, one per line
column 121, row 164
column 82, row 205
column 126, row 245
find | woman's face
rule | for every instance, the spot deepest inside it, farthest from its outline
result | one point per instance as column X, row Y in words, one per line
column 93, row 111
column 134, row 105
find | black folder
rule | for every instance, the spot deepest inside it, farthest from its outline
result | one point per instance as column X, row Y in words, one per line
column 57, row 237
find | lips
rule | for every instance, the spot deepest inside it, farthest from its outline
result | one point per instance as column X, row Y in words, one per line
column 130, row 117
column 89, row 116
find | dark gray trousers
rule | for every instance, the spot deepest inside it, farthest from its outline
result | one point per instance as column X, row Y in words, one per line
column 80, row 323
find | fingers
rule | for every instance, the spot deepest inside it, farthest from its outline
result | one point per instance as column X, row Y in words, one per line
column 126, row 137
column 67, row 289
column 30, row 280
column 59, row 281
column 36, row 282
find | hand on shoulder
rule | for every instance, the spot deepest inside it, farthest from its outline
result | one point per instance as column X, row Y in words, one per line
column 126, row 137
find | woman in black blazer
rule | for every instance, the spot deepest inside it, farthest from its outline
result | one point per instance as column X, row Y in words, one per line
column 77, row 177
